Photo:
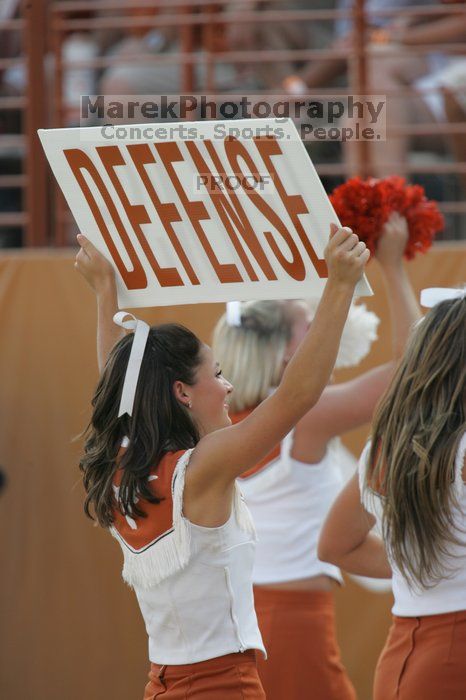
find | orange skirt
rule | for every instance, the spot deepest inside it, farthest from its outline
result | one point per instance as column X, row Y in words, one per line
column 423, row 659
column 229, row 677
column 298, row 629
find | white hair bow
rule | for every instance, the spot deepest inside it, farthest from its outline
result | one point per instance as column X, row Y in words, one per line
column 233, row 314
column 434, row 295
column 141, row 332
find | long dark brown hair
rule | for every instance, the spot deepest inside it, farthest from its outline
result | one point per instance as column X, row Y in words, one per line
column 415, row 438
column 159, row 424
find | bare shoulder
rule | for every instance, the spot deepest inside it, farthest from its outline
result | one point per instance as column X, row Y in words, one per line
column 206, row 501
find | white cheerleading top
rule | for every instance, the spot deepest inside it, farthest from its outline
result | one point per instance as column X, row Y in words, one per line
column 289, row 501
column 449, row 594
column 193, row 583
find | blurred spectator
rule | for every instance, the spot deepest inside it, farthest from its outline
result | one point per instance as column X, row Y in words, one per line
column 79, row 80
column 273, row 36
column 390, row 70
column 454, row 104
column 131, row 76
column 9, row 47
column 323, row 72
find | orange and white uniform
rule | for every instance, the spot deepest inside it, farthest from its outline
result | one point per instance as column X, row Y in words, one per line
column 194, row 587
column 289, row 500
column 423, row 658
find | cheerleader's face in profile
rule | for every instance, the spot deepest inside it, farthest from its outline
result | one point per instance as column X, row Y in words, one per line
column 207, row 398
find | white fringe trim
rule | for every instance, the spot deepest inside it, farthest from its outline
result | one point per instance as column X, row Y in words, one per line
column 148, row 567
column 242, row 513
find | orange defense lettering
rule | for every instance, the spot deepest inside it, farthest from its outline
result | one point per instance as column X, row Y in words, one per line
column 294, row 204
column 295, row 268
column 169, row 154
column 142, row 155
column 137, row 214
column 79, row 161
column 231, row 213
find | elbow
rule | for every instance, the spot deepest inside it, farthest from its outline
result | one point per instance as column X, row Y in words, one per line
column 326, row 553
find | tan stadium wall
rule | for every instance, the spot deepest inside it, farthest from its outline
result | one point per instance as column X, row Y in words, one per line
column 70, row 629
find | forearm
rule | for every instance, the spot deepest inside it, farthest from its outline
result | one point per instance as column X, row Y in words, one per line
column 403, row 305
column 367, row 559
column 309, row 371
column 444, row 30
column 321, row 73
column 108, row 333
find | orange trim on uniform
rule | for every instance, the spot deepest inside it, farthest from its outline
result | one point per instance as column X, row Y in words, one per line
column 423, row 659
column 303, row 658
column 141, row 532
column 265, row 461
column 226, row 677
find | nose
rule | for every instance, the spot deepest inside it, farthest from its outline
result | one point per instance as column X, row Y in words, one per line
column 228, row 386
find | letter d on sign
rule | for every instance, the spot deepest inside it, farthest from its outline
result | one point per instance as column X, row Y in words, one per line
column 79, row 161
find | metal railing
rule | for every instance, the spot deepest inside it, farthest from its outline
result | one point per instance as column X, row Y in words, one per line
column 45, row 26
column 27, row 25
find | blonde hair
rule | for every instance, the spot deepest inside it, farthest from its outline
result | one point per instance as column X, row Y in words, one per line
column 415, row 438
column 252, row 354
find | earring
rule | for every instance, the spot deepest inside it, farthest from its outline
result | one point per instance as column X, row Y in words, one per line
column 190, row 405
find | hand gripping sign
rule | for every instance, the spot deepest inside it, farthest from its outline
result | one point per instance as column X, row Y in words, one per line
column 198, row 211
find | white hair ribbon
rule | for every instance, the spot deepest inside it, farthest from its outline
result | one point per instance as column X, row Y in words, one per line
column 434, row 295
column 234, row 313
column 141, row 331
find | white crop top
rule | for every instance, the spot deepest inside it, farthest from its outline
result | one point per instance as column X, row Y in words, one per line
column 449, row 594
column 288, row 501
column 194, row 585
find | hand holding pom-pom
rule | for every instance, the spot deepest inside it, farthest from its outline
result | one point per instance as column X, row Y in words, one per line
column 393, row 240
column 367, row 206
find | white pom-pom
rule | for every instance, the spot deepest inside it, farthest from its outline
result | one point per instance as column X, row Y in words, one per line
column 359, row 333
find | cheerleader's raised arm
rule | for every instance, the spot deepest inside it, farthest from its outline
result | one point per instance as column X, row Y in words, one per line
column 100, row 276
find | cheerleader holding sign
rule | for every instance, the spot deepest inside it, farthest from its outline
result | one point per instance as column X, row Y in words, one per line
column 414, row 468
column 160, row 465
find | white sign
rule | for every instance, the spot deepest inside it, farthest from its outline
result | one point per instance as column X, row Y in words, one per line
column 198, row 211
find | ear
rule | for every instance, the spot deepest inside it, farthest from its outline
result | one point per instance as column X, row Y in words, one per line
column 181, row 392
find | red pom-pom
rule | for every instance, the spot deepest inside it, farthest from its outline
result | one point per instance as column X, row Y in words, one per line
column 366, row 205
